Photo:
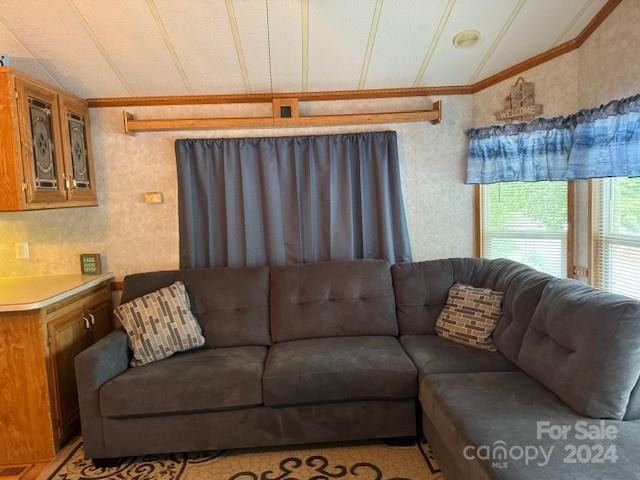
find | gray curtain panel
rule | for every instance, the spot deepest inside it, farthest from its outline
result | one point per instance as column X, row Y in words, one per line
column 274, row 201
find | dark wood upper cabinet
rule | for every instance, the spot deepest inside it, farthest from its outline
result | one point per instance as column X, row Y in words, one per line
column 46, row 160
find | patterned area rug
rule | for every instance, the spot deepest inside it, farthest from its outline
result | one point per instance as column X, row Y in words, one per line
column 371, row 461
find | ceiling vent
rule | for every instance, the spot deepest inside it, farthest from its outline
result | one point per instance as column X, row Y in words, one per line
column 466, row 38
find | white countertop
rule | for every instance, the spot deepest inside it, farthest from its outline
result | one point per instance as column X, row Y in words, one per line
column 30, row 293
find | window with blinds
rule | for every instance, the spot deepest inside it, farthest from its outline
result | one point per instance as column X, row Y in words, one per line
column 527, row 222
column 616, row 235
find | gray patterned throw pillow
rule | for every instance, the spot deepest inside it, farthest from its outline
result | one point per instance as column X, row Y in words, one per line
column 160, row 324
column 470, row 316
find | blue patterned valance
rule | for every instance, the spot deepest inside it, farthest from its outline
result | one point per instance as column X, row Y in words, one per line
column 599, row 142
column 606, row 141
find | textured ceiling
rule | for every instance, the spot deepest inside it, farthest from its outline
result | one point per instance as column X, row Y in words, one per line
column 108, row 48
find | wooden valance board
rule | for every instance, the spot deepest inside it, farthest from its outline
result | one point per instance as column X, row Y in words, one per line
column 285, row 114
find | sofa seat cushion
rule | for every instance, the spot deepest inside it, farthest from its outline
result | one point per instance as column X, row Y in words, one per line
column 433, row 354
column 477, row 409
column 211, row 379
column 338, row 369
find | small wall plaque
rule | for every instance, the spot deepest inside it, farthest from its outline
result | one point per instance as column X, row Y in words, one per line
column 90, row 263
column 153, row 197
column 520, row 104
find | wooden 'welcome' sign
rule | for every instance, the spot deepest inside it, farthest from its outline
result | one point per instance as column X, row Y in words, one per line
column 520, row 103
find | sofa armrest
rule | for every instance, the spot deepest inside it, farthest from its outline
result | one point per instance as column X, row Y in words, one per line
column 95, row 366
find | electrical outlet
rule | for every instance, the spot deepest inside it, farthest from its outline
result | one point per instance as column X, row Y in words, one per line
column 22, row 250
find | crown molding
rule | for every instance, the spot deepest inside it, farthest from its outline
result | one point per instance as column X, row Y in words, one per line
column 505, row 74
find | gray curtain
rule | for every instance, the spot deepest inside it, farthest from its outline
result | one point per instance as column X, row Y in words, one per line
column 272, row 201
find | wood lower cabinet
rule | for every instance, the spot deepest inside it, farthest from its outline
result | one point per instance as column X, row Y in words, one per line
column 68, row 336
column 38, row 399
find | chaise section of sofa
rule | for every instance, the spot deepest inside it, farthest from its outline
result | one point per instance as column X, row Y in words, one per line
column 499, row 411
column 567, row 354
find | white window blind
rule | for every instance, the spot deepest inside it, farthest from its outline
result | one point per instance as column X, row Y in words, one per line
column 616, row 235
column 526, row 222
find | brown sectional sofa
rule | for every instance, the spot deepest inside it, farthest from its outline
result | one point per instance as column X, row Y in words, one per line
column 346, row 351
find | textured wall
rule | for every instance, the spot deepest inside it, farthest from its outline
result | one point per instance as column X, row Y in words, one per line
column 134, row 236
column 609, row 61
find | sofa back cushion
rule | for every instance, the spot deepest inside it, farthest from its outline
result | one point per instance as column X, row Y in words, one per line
column 230, row 304
column 332, row 299
column 422, row 288
column 522, row 287
column 583, row 344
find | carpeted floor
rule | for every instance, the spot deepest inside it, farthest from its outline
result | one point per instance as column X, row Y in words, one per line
column 370, row 461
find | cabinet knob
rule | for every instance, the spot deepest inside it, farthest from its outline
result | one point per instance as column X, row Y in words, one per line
column 93, row 319
column 86, row 322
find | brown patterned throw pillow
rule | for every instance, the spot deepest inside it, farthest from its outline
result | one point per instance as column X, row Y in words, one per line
column 470, row 316
column 160, row 324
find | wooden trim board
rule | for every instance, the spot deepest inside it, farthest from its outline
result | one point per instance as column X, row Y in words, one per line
column 333, row 95
column 571, row 228
column 477, row 220
column 527, row 64
column 131, row 125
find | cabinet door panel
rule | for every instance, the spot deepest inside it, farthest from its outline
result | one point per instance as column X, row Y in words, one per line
column 68, row 336
column 76, row 138
column 101, row 321
column 40, row 135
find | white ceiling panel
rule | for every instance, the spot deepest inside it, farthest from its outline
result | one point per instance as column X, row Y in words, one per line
column 338, row 35
column 581, row 20
column 121, row 25
column 21, row 58
column 405, row 32
column 201, row 35
column 252, row 25
column 547, row 18
column 100, row 48
column 50, row 30
column 286, row 45
column 454, row 66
